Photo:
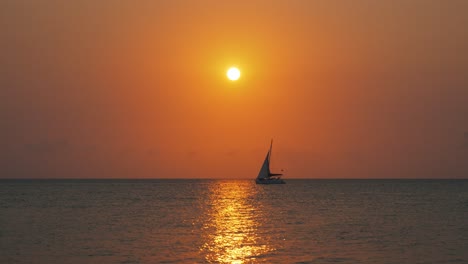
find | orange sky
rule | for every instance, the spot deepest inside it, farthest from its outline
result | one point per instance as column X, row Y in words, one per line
column 137, row 89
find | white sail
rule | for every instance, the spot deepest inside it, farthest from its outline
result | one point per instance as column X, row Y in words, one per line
column 265, row 170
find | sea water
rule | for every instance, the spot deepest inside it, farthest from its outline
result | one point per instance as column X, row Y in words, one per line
column 228, row 221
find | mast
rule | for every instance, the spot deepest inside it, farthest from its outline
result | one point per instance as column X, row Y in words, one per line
column 271, row 146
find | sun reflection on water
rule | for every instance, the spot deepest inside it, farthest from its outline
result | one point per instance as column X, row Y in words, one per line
column 232, row 228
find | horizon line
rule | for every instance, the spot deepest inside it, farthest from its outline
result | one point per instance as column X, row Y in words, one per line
column 247, row 179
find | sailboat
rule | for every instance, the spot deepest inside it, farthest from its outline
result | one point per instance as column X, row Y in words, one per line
column 265, row 176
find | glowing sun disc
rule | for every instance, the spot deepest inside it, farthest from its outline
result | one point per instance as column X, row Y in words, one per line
column 233, row 73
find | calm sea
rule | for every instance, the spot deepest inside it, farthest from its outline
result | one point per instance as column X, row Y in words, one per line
column 214, row 221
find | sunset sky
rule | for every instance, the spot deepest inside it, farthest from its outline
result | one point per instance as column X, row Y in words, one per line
column 138, row 89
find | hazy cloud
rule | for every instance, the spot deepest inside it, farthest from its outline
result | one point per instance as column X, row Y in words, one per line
column 192, row 154
column 231, row 152
column 465, row 143
column 48, row 147
column 152, row 152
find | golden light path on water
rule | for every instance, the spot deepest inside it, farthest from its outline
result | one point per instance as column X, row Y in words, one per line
column 233, row 225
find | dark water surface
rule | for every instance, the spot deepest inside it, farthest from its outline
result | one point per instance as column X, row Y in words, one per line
column 203, row 221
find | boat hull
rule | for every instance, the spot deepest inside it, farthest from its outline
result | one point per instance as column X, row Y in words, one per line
column 269, row 181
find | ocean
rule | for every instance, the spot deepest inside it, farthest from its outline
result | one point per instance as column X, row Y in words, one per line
column 233, row 221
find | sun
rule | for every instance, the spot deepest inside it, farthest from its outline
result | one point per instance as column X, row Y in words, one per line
column 233, row 74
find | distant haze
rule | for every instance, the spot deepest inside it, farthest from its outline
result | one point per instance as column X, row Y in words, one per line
column 137, row 89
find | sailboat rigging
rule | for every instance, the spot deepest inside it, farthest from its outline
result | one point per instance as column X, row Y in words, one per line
column 265, row 176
